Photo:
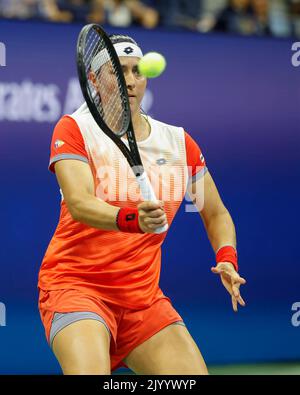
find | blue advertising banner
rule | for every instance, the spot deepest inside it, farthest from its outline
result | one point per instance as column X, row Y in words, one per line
column 238, row 97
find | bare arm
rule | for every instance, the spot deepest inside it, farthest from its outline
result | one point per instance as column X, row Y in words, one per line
column 77, row 184
column 220, row 231
column 216, row 218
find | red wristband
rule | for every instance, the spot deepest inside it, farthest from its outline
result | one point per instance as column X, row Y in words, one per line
column 227, row 254
column 128, row 220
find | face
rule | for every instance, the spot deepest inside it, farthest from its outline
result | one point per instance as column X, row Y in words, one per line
column 104, row 83
column 103, row 80
column 135, row 82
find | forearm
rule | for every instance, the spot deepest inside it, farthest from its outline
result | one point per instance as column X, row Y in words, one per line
column 220, row 230
column 93, row 212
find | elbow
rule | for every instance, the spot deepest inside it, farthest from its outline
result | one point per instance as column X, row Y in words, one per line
column 220, row 211
column 223, row 211
column 76, row 208
column 75, row 214
column 209, row 218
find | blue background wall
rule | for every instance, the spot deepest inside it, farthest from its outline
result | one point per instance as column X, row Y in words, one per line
column 239, row 98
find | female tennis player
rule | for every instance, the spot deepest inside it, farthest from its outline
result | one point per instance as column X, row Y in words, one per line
column 99, row 295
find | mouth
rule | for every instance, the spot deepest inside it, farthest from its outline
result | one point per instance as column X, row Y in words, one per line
column 132, row 99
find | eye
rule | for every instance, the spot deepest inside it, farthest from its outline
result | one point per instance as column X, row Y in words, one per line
column 136, row 71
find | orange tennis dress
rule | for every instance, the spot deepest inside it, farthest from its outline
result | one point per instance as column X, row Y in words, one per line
column 110, row 273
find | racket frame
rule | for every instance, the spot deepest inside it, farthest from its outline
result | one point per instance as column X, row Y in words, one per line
column 132, row 155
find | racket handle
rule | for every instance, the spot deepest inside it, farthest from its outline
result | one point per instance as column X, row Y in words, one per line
column 148, row 194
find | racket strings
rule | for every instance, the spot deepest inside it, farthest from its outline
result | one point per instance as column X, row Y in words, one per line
column 104, row 85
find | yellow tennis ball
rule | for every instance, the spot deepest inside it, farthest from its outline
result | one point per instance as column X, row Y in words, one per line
column 152, row 65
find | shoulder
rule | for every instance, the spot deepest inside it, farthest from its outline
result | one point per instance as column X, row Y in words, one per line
column 165, row 126
column 175, row 132
column 70, row 120
column 68, row 129
column 168, row 132
column 82, row 114
column 76, row 122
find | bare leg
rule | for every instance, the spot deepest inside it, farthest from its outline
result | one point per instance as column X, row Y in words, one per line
column 170, row 351
column 83, row 348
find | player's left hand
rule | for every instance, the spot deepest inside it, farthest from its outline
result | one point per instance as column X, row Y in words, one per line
column 231, row 281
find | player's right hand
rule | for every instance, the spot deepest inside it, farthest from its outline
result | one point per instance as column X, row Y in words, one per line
column 151, row 216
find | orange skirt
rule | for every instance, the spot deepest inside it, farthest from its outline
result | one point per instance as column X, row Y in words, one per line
column 128, row 328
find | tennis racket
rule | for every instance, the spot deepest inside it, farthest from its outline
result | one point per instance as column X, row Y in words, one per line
column 104, row 88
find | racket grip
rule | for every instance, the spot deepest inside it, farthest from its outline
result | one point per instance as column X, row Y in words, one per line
column 148, row 194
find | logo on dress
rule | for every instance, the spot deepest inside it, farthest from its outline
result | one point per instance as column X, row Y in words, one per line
column 58, row 143
column 128, row 50
column 161, row 161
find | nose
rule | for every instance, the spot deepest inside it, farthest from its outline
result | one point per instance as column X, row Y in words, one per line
column 130, row 80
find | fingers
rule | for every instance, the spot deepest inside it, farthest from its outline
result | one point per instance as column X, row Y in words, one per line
column 154, row 213
column 239, row 279
column 151, row 216
column 149, row 206
column 224, row 268
column 234, row 303
column 236, row 296
column 229, row 271
column 216, row 270
column 232, row 282
column 155, row 221
column 241, row 301
column 236, row 282
column 235, row 289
